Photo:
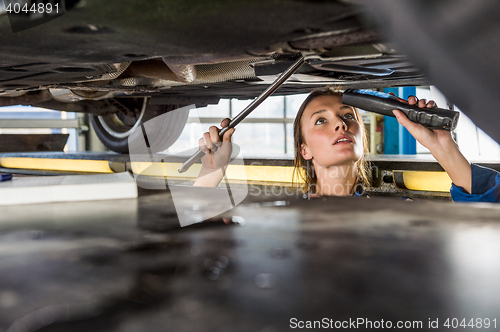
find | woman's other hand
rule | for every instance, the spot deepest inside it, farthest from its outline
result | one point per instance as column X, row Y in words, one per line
column 217, row 153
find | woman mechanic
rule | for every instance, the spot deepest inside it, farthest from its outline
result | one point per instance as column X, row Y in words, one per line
column 330, row 146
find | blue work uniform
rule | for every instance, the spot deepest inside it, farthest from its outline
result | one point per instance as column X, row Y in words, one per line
column 485, row 186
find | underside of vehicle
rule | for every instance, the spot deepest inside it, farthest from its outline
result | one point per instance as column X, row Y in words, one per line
column 127, row 61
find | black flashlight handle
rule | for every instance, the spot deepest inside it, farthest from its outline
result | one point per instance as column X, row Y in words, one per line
column 432, row 118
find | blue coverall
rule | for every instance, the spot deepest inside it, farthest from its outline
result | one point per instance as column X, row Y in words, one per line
column 485, row 186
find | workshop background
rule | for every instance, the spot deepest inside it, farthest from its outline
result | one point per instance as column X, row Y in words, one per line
column 266, row 132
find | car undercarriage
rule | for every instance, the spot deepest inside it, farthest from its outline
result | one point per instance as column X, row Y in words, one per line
column 123, row 68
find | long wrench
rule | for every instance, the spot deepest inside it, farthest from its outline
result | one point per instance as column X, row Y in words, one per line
column 243, row 114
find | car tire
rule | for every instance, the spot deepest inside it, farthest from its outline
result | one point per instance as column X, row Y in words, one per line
column 116, row 137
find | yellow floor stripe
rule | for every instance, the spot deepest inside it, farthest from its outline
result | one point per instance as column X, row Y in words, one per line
column 427, row 181
column 70, row 165
column 280, row 174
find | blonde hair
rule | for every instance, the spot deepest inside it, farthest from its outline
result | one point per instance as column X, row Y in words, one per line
column 304, row 169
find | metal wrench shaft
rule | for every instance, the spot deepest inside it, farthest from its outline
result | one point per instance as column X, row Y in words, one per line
column 243, row 114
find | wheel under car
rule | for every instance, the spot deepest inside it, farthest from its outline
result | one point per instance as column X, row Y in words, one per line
column 114, row 129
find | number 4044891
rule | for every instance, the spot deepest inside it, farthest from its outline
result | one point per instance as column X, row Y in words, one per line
column 36, row 8
column 477, row 323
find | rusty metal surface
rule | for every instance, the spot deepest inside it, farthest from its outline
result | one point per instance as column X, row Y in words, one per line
column 352, row 38
column 126, row 265
column 26, row 99
column 32, row 142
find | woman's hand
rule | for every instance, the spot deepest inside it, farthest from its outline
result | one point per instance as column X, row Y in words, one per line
column 436, row 140
column 440, row 144
column 217, row 153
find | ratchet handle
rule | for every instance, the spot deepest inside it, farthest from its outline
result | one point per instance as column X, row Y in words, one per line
column 384, row 103
column 194, row 158
column 243, row 114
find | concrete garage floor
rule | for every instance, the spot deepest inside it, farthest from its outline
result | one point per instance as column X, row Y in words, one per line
column 127, row 265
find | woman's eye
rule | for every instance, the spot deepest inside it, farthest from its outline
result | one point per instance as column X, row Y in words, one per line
column 349, row 116
column 320, row 121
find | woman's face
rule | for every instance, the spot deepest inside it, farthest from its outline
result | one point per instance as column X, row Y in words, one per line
column 332, row 133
